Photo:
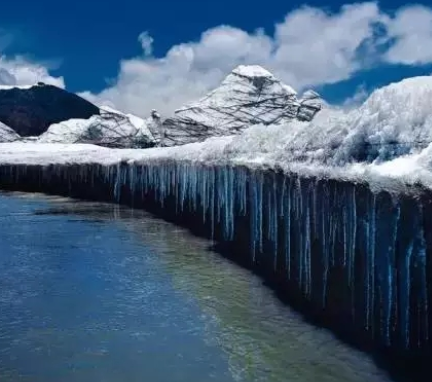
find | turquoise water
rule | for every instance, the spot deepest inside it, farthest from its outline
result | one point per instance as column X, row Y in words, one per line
column 96, row 292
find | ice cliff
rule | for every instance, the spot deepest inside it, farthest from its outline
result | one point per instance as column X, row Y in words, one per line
column 249, row 95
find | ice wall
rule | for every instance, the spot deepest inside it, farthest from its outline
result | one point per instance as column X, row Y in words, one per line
column 360, row 259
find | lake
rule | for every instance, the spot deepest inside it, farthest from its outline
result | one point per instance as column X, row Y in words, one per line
column 98, row 292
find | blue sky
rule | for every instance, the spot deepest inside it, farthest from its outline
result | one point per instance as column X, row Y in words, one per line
column 85, row 41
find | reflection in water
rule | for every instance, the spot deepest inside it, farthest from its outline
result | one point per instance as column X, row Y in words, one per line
column 263, row 339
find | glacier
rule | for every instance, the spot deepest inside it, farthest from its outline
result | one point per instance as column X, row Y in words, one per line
column 337, row 209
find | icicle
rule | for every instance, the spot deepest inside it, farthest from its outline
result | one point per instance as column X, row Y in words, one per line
column 117, row 184
column 256, row 192
column 370, row 265
column 240, row 187
column 287, row 215
column 325, row 240
column 405, row 293
column 230, row 203
column 275, row 215
column 390, row 279
column 204, row 192
column 421, row 263
column 307, row 253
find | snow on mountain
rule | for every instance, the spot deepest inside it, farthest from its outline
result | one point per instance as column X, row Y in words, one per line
column 7, row 134
column 249, row 95
column 111, row 128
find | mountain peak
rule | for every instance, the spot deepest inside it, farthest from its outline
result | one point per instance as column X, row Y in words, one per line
column 30, row 110
column 252, row 71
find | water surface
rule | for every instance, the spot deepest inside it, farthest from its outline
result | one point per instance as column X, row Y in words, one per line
column 97, row 292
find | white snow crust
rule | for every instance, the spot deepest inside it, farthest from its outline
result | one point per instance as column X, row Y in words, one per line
column 387, row 142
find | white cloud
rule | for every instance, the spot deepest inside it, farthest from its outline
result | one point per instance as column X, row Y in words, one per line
column 412, row 29
column 146, row 42
column 309, row 47
column 21, row 71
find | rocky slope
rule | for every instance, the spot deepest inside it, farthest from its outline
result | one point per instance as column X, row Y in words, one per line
column 249, row 95
column 7, row 134
column 111, row 128
column 30, row 110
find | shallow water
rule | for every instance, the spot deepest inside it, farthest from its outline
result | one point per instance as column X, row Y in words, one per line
column 97, row 292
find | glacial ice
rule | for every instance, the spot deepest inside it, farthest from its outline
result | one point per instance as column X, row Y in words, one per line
column 111, row 128
column 330, row 238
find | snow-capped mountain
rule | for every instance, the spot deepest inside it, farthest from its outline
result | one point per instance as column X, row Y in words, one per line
column 7, row 134
column 110, row 128
column 249, row 95
column 30, row 110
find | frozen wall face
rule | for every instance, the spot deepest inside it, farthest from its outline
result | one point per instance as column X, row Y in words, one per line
column 360, row 260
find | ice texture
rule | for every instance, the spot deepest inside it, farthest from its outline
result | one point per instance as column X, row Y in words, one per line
column 249, row 95
column 111, row 128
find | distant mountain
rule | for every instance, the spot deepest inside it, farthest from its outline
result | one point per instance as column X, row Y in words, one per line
column 249, row 95
column 111, row 128
column 30, row 110
column 45, row 113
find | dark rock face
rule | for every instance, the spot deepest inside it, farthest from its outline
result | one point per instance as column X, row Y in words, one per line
column 31, row 111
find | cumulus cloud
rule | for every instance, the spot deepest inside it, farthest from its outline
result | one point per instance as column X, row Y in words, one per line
column 20, row 71
column 310, row 47
column 412, row 30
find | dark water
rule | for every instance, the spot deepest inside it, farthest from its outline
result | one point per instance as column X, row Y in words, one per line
column 95, row 292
